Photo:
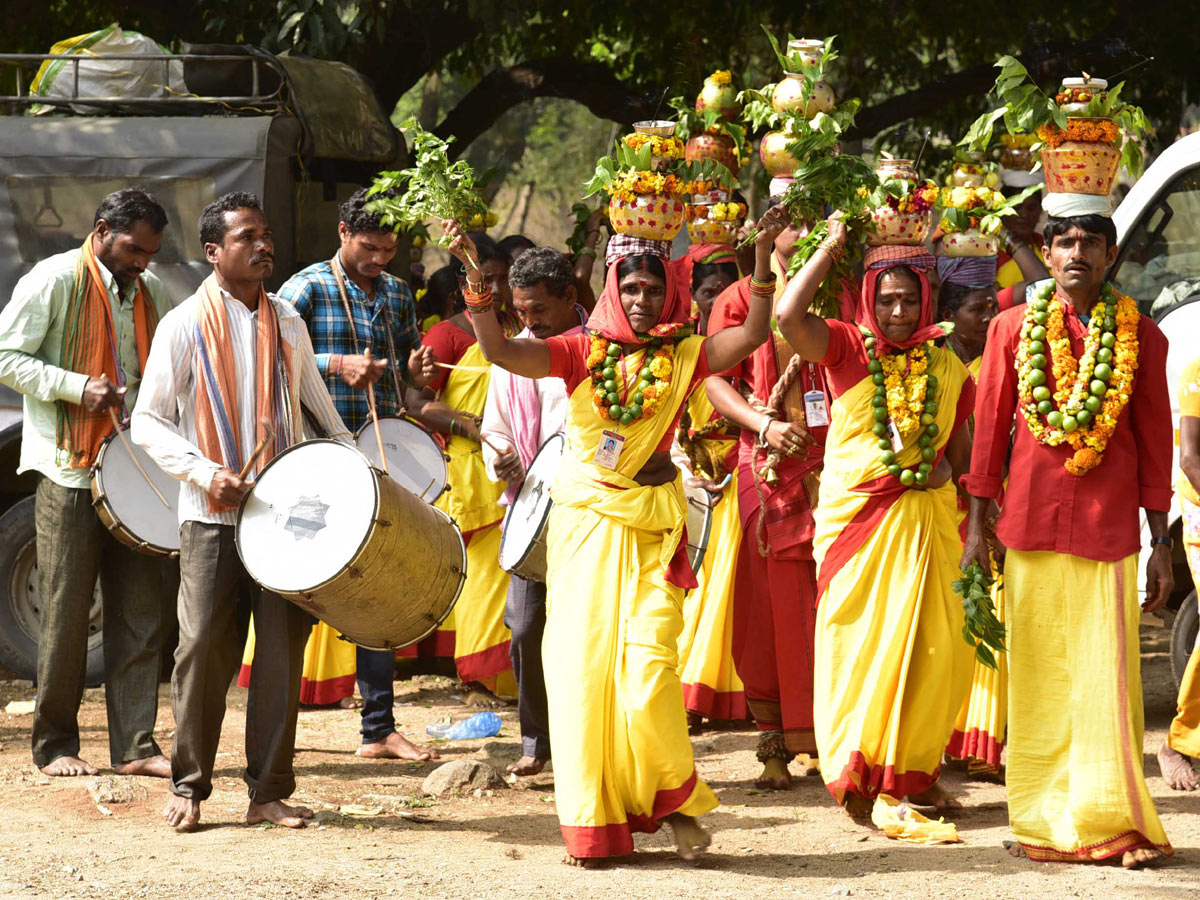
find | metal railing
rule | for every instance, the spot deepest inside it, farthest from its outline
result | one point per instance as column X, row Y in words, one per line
column 257, row 100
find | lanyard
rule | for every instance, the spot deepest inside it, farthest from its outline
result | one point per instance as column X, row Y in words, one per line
column 335, row 265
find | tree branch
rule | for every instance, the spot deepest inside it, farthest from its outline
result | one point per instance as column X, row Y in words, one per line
column 591, row 84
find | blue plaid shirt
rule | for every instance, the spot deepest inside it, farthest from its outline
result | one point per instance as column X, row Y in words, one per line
column 314, row 294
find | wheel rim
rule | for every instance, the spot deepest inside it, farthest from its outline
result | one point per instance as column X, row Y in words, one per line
column 25, row 593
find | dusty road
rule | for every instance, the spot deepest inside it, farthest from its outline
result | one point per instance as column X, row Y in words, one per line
column 376, row 836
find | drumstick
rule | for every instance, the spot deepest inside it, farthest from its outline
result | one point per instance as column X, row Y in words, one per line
column 464, row 368
column 375, row 420
column 268, row 436
column 112, row 414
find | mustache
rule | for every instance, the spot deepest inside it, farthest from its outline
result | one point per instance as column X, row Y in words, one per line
column 260, row 257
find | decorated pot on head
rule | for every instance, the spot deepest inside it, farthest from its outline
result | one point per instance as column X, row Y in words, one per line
column 971, row 242
column 902, row 221
column 969, row 174
column 665, row 148
column 715, row 145
column 773, row 151
column 654, row 217
column 1016, row 151
column 719, row 94
column 715, row 222
column 1084, row 159
column 788, row 96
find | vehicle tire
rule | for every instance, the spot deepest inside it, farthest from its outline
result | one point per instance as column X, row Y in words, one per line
column 20, row 599
column 1183, row 636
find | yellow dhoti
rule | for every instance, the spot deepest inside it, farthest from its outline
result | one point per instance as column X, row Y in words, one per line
column 1184, row 736
column 1076, row 790
column 622, row 758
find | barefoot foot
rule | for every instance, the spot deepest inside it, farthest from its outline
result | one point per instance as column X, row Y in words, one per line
column 349, row 703
column 68, row 767
column 396, row 746
column 695, row 723
column 182, row 813
column 1015, row 850
column 857, row 807
column 809, row 763
column 157, row 766
column 480, row 697
column 1177, row 769
column 528, row 765
column 585, row 862
column 1135, row 859
column 775, row 776
column 278, row 813
column 690, row 839
column 935, row 796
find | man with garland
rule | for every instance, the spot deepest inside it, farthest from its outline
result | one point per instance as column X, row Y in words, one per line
column 1084, row 376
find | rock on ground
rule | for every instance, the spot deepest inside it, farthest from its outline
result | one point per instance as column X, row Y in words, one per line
column 462, row 776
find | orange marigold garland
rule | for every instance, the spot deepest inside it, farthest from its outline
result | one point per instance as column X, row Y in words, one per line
column 1090, row 393
column 653, row 384
column 1088, row 131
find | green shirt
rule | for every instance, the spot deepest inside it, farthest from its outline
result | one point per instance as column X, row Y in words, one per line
column 31, row 334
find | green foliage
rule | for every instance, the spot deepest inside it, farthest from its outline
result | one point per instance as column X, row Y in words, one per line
column 432, row 187
column 981, row 629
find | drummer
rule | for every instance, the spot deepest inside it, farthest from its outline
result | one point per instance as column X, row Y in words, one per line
column 364, row 332
column 230, row 372
column 73, row 340
column 521, row 413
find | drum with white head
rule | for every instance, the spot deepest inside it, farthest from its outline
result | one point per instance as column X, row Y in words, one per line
column 699, row 522
column 523, row 538
column 126, row 503
column 414, row 459
column 326, row 530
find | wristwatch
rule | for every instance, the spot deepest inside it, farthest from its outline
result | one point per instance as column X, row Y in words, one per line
column 1165, row 541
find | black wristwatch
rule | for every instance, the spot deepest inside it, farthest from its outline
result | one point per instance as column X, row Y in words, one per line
column 1165, row 541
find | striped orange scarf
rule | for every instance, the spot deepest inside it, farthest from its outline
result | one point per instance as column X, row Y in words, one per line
column 217, row 421
column 89, row 346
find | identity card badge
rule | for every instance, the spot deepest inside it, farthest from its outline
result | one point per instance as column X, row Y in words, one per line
column 608, row 451
column 816, row 409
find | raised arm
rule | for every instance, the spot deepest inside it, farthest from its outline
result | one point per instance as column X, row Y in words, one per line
column 728, row 347
column 521, row 356
column 807, row 333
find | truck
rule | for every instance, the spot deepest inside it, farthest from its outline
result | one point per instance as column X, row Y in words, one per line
column 302, row 134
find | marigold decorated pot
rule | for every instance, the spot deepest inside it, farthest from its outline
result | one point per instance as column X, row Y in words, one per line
column 970, row 243
column 719, row 97
column 896, row 168
column 716, row 195
column 655, row 217
column 1076, row 94
column 907, row 229
column 969, row 174
column 788, row 96
column 703, row 230
column 1075, row 167
column 717, row 146
column 656, row 127
column 773, row 152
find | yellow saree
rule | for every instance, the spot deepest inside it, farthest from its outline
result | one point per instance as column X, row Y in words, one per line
column 481, row 639
column 622, row 758
column 891, row 665
column 711, row 686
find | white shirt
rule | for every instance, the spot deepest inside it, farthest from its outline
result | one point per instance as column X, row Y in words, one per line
column 164, row 419
column 497, row 418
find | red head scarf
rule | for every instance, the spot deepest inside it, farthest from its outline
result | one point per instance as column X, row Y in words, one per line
column 701, row 255
column 608, row 319
column 880, row 260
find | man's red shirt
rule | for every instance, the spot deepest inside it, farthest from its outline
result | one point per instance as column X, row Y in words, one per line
column 1094, row 516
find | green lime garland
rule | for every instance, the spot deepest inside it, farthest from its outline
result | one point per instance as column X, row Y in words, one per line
column 929, row 428
column 604, row 380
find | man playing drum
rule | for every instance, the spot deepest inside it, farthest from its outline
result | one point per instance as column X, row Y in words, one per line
column 229, row 375
column 351, row 305
column 73, row 340
column 521, row 413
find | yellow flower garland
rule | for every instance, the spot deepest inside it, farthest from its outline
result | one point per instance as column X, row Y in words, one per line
column 905, row 379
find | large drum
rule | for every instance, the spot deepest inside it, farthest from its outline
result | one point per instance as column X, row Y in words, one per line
column 325, row 529
column 699, row 522
column 128, row 506
column 523, row 538
column 414, row 459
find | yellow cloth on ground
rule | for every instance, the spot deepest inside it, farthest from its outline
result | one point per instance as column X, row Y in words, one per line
column 891, row 666
column 329, row 670
column 706, row 641
column 622, row 757
column 480, row 636
column 1076, row 790
column 1184, row 735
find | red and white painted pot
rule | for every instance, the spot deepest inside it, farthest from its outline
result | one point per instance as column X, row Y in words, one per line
column 654, row 217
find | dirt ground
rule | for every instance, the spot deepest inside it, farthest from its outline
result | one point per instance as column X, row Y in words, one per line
column 376, row 836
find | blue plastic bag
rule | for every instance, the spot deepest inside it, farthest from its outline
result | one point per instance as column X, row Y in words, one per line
column 480, row 725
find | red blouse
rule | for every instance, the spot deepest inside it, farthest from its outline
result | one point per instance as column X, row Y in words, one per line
column 1094, row 516
column 449, row 343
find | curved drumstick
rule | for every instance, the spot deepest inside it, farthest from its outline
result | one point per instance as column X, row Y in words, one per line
column 268, row 436
column 112, row 414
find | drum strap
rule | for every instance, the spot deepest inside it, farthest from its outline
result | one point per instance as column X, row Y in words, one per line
column 336, row 266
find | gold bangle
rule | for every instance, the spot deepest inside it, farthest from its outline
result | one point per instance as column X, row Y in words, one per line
column 835, row 250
